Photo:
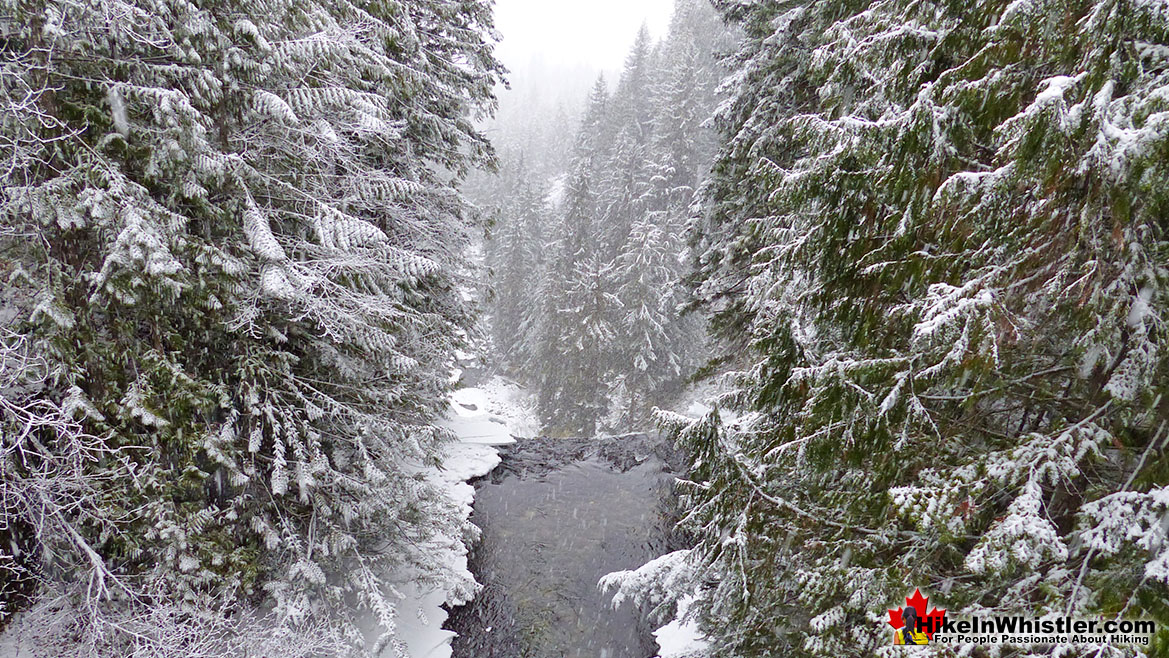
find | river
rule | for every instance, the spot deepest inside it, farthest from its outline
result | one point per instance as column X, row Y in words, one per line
column 557, row 515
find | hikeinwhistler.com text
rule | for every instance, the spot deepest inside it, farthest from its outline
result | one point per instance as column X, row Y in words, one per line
column 1019, row 630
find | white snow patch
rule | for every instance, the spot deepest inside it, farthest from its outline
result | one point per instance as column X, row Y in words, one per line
column 422, row 631
column 681, row 638
column 500, row 402
column 481, row 417
column 1140, row 307
column 557, row 187
column 1055, row 89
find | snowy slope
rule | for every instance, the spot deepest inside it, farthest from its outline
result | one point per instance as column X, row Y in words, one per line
column 681, row 638
column 481, row 418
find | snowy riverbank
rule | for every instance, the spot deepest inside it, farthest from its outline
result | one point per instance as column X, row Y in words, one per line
column 481, row 417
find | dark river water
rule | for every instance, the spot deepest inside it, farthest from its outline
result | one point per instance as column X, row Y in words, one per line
column 557, row 515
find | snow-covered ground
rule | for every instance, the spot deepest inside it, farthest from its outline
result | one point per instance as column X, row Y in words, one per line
column 503, row 402
column 699, row 399
column 680, row 638
column 481, row 417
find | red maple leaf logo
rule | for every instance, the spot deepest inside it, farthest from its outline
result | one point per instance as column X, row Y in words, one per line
column 930, row 622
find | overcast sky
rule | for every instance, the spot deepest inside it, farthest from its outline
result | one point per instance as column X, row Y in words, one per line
column 570, row 33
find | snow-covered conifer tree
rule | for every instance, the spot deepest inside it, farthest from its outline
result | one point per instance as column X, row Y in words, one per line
column 516, row 256
column 653, row 341
column 939, row 230
column 231, row 232
column 567, row 378
column 636, row 165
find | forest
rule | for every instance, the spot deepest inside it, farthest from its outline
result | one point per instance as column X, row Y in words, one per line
column 282, row 282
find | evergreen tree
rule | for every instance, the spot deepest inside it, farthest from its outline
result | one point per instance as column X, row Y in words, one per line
column 625, row 178
column 630, row 104
column 653, row 340
column 589, row 312
column 939, row 229
column 617, row 237
column 625, row 188
column 684, row 97
column 238, row 287
column 562, row 375
column 516, row 256
column 658, row 345
column 593, row 138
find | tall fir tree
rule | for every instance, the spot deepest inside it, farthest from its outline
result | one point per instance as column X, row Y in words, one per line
column 515, row 253
column 624, row 183
column 563, row 378
column 625, row 201
column 231, row 232
column 938, row 231
column 652, row 340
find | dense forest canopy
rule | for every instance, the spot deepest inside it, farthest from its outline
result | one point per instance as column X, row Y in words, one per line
column 586, row 249
column 915, row 251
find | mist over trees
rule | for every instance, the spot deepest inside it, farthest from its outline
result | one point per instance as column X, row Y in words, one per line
column 586, row 260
